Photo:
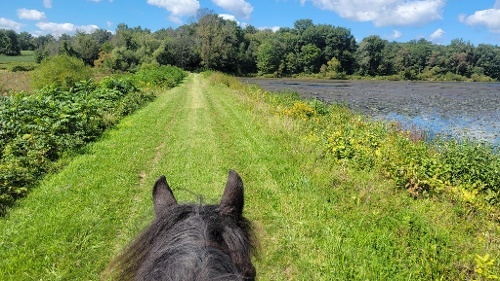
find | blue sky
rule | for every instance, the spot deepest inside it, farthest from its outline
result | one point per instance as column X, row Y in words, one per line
column 439, row 21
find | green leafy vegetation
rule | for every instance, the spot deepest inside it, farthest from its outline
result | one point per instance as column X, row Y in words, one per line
column 37, row 129
column 162, row 76
column 9, row 44
column 464, row 170
column 318, row 216
column 62, row 71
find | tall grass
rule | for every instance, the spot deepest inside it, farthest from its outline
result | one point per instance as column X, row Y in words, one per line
column 318, row 217
column 400, row 205
column 14, row 82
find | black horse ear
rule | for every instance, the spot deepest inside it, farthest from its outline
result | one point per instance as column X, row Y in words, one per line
column 162, row 195
column 232, row 200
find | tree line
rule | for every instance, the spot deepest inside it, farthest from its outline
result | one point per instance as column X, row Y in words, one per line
column 211, row 42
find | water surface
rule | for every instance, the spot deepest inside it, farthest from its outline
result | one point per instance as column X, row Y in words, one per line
column 458, row 109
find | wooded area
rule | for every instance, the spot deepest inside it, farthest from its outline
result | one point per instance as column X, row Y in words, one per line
column 211, row 42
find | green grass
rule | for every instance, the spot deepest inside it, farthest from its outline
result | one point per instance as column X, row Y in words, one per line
column 316, row 218
column 26, row 56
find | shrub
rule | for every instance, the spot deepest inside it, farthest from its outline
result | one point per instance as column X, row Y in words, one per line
column 37, row 129
column 163, row 76
column 62, row 71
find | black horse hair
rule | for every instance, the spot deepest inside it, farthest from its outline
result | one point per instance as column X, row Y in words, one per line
column 192, row 241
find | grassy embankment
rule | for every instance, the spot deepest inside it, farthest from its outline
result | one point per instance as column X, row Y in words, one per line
column 317, row 219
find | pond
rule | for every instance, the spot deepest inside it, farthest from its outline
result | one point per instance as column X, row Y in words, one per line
column 458, row 109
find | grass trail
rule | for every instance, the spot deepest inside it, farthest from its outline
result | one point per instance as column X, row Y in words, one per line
column 316, row 220
column 72, row 225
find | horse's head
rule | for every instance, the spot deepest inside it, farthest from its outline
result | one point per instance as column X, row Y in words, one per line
column 192, row 241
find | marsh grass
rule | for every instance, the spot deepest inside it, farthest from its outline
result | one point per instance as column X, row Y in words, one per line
column 317, row 217
column 14, row 82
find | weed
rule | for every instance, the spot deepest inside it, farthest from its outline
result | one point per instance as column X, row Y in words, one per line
column 37, row 129
column 484, row 268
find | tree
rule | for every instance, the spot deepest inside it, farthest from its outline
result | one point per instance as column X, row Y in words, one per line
column 26, row 41
column 341, row 44
column 86, row 47
column 184, row 45
column 126, row 37
column 332, row 69
column 9, row 45
column 302, row 25
column 387, row 64
column 310, row 58
column 45, row 45
column 218, row 41
column 461, row 57
column 62, row 71
column 165, row 54
column 489, row 60
column 122, row 59
column 414, row 56
column 267, row 59
column 370, row 54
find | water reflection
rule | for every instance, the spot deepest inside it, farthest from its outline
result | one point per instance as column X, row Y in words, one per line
column 463, row 110
column 481, row 129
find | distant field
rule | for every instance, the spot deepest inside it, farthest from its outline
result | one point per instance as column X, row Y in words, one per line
column 14, row 75
column 26, row 56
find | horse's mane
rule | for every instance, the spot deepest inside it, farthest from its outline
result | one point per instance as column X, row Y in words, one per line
column 190, row 242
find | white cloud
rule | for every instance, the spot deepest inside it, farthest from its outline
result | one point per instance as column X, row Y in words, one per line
column 174, row 19
column 489, row 18
column 47, row 3
column 10, row 24
column 385, row 12
column 438, row 34
column 273, row 28
column 239, row 7
column 30, row 14
column 58, row 29
column 177, row 8
column 396, row 34
column 229, row 17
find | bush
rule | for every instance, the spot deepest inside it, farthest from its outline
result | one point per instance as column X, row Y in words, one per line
column 63, row 71
column 37, row 129
column 163, row 76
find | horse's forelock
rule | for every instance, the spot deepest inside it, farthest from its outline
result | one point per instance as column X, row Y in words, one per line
column 186, row 238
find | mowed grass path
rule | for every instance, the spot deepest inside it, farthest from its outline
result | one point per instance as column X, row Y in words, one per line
column 315, row 220
column 71, row 226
